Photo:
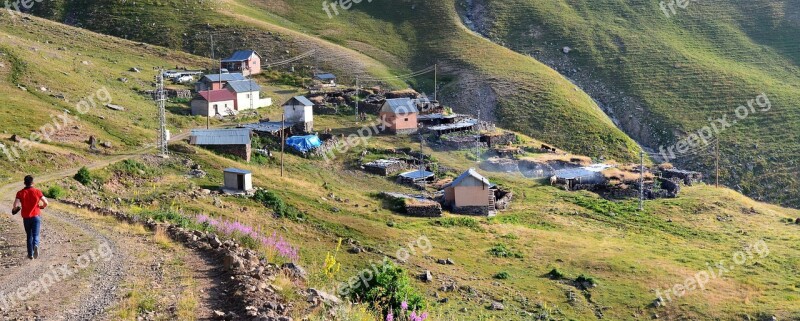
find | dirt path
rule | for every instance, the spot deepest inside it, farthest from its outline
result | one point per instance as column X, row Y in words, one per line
column 84, row 266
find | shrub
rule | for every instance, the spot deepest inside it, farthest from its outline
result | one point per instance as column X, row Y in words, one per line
column 500, row 250
column 502, row 275
column 581, row 279
column 388, row 289
column 83, row 176
column 134, row 168
column 555, row 274
column 467, row 222
column 273, row 201
column 54, row 192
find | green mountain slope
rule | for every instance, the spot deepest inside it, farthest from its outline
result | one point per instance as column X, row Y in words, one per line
column 664, row 78
column 518, row 91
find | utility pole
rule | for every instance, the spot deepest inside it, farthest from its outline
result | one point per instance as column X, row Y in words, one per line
column 208, row 115
column 283, row 138
column 435, row 81
column 478, row 140
column 641, row 181
column 717, row 163
column 422, row 160
column 162, row 115
column 358, row 89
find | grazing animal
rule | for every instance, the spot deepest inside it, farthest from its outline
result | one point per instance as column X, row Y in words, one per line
column 553, row 180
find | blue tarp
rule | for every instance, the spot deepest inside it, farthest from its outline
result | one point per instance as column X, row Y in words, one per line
column 304, row 143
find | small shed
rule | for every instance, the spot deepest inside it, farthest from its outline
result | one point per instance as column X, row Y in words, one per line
column 300, row 110
column 328, row 80
column 235, row 142
column 237, row 181
column 248, row 62
column 471, row 193
column 399, row 116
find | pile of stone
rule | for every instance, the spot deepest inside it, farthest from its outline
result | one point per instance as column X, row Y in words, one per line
column 253, row 294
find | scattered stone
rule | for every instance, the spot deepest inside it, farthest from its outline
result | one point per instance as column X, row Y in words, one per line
column 15, row 138
column 115, row 107
column 325, row 297
column 566, row 50
column 106, row 145
column 497, row 306
column 134, row 69
column 427, row 276
column 85, row 62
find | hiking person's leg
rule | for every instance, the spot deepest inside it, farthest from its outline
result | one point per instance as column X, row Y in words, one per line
column 35, row 229
column 28, row 223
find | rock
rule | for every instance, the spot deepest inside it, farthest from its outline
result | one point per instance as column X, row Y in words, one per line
column 232, row 262
column 15, row 138
column 205, row 191
column 427, row 276
column 355, row 250
column 566, row 50
column 214, row 242
column 134, row 69
column 441, row 261
column 106, row 145
column 450, row 262
column 295, row 269
column 115, row 107
column 85, row 62
column 497, row 306
column 327, row 298
column 219, row 314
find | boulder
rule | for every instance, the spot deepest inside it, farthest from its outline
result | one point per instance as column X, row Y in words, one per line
column 497, row 306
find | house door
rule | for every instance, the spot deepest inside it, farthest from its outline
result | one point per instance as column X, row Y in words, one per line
column 240, row 182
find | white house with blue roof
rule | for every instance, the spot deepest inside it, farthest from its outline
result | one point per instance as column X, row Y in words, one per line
column 248, row 95
column 299, row 110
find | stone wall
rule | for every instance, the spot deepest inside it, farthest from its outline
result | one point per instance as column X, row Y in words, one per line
column 241, row 151
column 424, row 210
column 471, row 210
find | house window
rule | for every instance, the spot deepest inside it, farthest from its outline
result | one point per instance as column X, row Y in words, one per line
column 248, row 95
column 406, row 119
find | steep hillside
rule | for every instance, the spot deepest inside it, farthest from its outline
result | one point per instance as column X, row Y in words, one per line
column 665, row 75
column 55, row 81
column 518, row 91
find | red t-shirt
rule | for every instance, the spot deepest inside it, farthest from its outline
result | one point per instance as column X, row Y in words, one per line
column 30, row 198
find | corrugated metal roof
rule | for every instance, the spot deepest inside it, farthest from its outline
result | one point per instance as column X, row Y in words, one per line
column 268, row 126
column 469, row 173
column 235, row 136
column 223, row 77
column 400, row 106
column 462, row 124
column 217, row 95
column 241, row 55
column 237, row 171
column 416, row 175
column 243, row 86
column 299, row 99
column 326, row 76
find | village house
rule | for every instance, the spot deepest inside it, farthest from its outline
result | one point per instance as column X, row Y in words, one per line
column 236, row 142
column 300, row 111
column 472, row 194
column 214, row 102
column 399, row 116
column 248, row 95
column 237, row 181
column 327, row 80
column 247, row 62
column 216, row 81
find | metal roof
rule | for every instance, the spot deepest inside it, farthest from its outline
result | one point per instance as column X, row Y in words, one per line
column 241, row 55
column 469, row 173
column 326, row 76
column 458, row 125
column 223, row 77
column 300, row 99
column 217, row 95
column 400, row 106
column 244, row 86
column 268, row 126
column 237, row 171
column 417, row 174
column 235, row 136
column 592, row 171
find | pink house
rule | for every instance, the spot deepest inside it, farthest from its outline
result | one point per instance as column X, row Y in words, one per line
column 247, row 62
column 399, row 116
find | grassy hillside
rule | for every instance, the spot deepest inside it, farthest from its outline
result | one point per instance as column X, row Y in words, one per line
column 665, row 78
column 373, row 38
column 629, row 254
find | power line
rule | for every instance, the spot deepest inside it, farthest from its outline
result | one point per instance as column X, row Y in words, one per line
column 291, row 60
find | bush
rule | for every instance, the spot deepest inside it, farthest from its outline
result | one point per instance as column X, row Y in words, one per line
column 501, row 250
column 388, row 289
column 502, row 275
column 581, row 279
column 54, row 192
column 134, row 168
column 555, row 274
column 467, row 222
column 273, row 201
column 83, row 176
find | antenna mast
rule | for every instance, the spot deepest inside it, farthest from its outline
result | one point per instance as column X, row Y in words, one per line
column 162, row 114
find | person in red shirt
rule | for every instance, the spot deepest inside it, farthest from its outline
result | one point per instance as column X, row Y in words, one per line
column 30, row 201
